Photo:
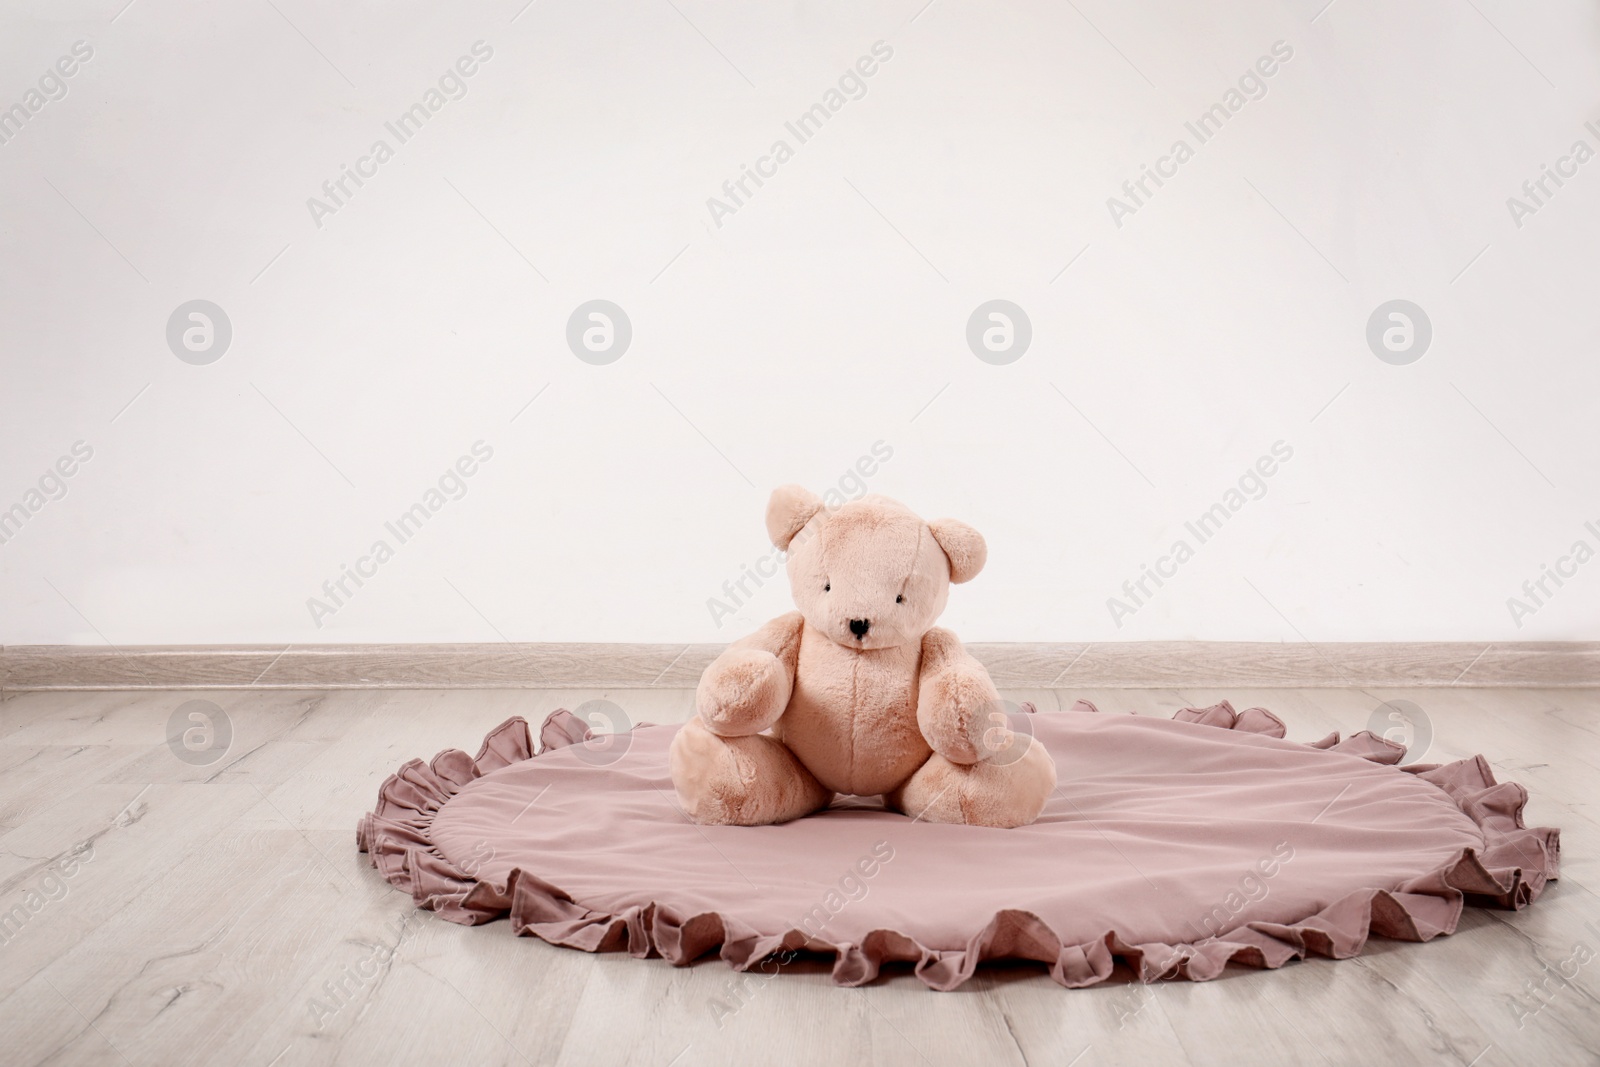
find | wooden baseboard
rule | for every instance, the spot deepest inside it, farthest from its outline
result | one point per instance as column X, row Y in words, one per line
column 1132, row 665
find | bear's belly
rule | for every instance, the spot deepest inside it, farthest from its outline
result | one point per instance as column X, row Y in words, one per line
column 852, row 718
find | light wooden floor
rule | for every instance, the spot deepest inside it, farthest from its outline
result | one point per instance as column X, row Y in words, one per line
column 213, row 908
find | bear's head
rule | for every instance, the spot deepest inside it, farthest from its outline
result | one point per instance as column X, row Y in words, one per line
column 870, row 573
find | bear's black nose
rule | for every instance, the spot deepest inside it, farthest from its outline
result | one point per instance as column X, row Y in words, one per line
column 859, row 627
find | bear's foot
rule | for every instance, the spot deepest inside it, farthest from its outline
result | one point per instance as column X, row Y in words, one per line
column 740, row 781
column 1002, row 795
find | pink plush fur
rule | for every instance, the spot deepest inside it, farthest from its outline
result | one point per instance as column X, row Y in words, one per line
column 858, row 692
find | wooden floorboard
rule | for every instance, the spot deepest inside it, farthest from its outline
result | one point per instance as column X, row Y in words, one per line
column 222, row 903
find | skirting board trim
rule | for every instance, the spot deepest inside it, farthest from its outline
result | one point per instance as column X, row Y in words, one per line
column 1126, row 665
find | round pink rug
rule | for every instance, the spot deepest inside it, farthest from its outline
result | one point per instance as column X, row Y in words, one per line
column 1178, row 846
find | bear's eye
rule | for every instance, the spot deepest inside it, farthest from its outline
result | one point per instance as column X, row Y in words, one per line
column 827, row 586
column 901, row 599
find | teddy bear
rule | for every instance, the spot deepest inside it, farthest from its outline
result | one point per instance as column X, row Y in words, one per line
column 858, row 692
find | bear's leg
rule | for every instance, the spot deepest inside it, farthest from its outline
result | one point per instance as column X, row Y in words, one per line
column 979, row 794
column 740, row 781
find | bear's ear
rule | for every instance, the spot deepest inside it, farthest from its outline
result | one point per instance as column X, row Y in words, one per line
column 791, row 507
column 963, row 545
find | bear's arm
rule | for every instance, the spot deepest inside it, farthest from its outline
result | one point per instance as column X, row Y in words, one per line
column 747, row 688
column 957, row 703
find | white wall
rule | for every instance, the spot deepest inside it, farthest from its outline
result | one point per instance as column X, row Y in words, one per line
column 826, row 314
